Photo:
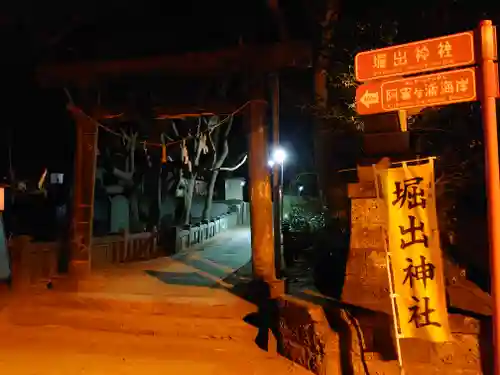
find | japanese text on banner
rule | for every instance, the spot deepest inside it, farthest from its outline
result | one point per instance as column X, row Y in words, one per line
column 408, row 192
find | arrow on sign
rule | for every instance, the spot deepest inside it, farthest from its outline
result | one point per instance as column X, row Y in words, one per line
column 430, row 90
column 370, row 98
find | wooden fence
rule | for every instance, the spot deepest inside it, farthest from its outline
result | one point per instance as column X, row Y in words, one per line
column 40, row 262
column 124, row 248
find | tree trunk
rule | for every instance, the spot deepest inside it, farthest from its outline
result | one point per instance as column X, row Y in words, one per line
column 207, row 209
column 320, row 135
column 216, row 168
column 159, row 197
column 189, row 191
column 188, row 200
column 134, row 212
column 155, row 204
column 174, row 184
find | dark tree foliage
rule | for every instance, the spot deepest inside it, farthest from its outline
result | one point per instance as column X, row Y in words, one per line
column 452, row 133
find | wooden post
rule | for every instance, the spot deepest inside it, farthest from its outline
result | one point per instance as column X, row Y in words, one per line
column 20, row 263
column 322, row 150
column 83, row 194
column 260, row 187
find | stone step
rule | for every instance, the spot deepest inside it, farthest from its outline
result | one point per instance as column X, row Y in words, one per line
column 130, row 323
column 62, row 350
column 373, row 365
column 170, row 316
column 171, row 305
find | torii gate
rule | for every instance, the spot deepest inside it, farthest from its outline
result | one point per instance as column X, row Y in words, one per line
column 255, row 61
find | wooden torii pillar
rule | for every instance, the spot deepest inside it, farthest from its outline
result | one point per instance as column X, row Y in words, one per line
column 261, row 205
column 83, row 194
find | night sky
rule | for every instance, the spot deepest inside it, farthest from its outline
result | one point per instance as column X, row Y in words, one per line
column 33, row 33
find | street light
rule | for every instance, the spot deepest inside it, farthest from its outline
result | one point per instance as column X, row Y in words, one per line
column 279, row 156
column 277, row 163
column 301, row 188
column 278, row 160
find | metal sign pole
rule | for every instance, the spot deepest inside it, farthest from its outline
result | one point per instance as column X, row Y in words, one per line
column 489, row 89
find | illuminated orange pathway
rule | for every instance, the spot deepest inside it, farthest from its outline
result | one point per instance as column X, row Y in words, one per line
column 168, row 316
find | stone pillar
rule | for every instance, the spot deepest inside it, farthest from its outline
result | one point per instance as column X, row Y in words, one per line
column 366, row 282
column 83, row 193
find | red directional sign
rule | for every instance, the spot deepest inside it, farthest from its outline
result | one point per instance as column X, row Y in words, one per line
column 422, row 56
column 424, row 91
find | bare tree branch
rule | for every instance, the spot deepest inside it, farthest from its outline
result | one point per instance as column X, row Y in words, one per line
column 232, row 169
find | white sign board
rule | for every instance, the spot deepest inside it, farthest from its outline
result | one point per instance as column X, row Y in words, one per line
column 56, row 178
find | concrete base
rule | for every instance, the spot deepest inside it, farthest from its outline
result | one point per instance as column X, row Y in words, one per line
column 260, row 290
column 79, row 268
column 276, row 288
column 79, row 271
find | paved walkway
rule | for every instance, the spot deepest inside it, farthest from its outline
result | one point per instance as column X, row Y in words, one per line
column 194, row 273
column 170, row 315
column 52, row 350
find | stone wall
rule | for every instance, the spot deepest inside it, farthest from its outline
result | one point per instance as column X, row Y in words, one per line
column 329, row 339
column 359, row 333
column 366, row 282
column 306, row 336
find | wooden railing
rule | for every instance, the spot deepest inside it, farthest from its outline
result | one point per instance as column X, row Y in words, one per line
column 196, row 234
column 124, row 248
column 38, row 262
